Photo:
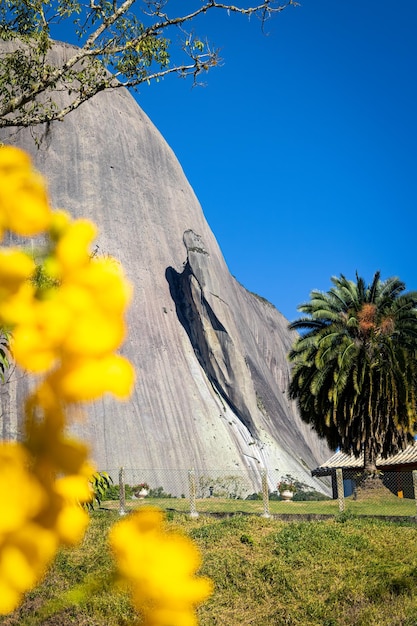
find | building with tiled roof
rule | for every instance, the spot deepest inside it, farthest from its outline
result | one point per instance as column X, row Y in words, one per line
column 396, row 470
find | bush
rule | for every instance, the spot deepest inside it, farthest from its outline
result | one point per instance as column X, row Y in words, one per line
column 309, row 496
column 159, row 492
column 274, row 495
column 254, row 496
column 100, row 483
column 113, row 492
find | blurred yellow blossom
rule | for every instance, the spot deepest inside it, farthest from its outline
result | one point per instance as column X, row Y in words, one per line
column 71, row 523
column 105, row 278
column 86, row 379
column 25, row 495
column 80, row 317
column 67, row 328
column 15, row 269
column 41, row 513
column 72, row 248
column 24, row 206
column 160, row 568
column 24, row 557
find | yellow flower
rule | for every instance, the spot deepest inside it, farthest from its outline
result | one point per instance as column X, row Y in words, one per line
column 73, row 248
column 72, row 319
column 94, row 334
column 15, row 269
column 30, row 352
column 26, row 546
column 65, row 455
column 24, row 207
column 24, row 557
column 74, row 488
column 160, row 567
column 38, row 338
column 71, row 524
column 67, row 329
column 24, row 495
column 16, row 293
column 9, row 595
column 60, row 221
column 105, row 279
column 17, row 307
column 86, row 379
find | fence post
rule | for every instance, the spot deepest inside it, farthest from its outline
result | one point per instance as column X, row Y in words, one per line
column 122, row 493
column 265, row 493
column 340, row 490
column 192, row 490
column 415, row 485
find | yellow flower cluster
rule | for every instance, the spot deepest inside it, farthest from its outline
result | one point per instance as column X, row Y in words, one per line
column 67, row 319
column 40, row 514
column 72, row 328
column 160, row 568
column 24, row 207
column 67, row 330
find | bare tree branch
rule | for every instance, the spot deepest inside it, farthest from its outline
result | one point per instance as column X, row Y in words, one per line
column 130, row 49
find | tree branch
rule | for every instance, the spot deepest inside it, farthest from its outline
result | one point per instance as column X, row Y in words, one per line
column 131, row 55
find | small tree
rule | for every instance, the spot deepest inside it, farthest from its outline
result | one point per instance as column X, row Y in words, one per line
column 355, row 368
column 131, row 38
column 100, row 482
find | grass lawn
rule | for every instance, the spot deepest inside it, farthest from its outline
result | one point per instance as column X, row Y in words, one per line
column 391, row 505
column 344, row 571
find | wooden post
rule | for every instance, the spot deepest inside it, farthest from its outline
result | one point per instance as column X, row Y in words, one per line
column 122, row 493
column 265, row 493
column 340, row 490
column 192, row 490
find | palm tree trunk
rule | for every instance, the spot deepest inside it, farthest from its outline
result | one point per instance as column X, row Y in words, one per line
column 371, row 481
column 369, row 460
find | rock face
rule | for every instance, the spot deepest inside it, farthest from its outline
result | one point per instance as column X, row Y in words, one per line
column 210, row 357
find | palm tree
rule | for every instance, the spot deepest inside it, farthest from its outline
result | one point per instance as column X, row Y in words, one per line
column 355, row 369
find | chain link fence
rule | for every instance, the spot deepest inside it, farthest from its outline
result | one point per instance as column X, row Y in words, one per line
column 269, row 494
column 398, row 483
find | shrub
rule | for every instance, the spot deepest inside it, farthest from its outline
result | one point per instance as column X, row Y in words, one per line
column 309, row 496
column 159, row 492
column 112, row 493
column 254, row 496
column 100, row 483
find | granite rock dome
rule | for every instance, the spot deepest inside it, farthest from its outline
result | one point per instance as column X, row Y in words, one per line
column 210, row 357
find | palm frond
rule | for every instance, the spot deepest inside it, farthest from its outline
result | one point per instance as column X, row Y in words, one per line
column 355, row 369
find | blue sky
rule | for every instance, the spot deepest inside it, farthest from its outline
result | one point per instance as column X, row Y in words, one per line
column 302, row 147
